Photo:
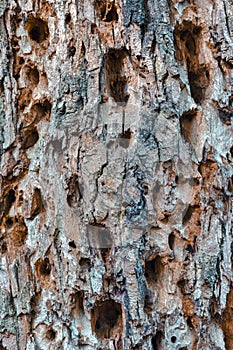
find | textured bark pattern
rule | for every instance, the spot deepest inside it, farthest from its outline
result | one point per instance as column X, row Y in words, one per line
column 116, row 174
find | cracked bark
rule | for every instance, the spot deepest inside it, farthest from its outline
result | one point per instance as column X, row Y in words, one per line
column 116, row 174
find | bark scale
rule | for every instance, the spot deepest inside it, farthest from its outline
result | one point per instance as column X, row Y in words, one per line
column 116, row 174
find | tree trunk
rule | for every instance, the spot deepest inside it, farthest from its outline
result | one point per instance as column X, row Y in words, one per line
column 116, row 174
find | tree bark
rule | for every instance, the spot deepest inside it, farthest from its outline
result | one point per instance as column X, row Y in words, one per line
column 116, row 174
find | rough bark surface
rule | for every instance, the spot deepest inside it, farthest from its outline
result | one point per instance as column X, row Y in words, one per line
column 116, row 174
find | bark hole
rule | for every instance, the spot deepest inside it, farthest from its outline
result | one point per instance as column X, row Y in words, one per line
column 115, row 76
column 227, row 323
column 40, row 110
column 106, row 10
column 73, row 195
column 171, row 241
column 30, row 138
column 19, row 232
column 43, row 267
column 156, row 340
column 37, row 204
column 226, row 115
column 71, row 51
column 24, row 99
column 187, row 121
column 51, row 334
column 85, row 262
column 37, row 29
column 187, row 42
column 125, row 138
column 231, row 151
column 68, row 18
column 153, row 269
column 10, row 199
column 173, row 339
column 32, row 76
column 72, row 244
column 107, row 319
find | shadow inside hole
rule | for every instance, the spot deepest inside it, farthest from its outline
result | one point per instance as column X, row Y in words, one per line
column 37, row 29
column 107, row 319
column 10, row 199
column 153, row 270
column 171, row 241
column 106, row 10
column 30, row 138
column 72, row 244
column 43, row 267
column 173, row 339
column 51, row 334
column 124, row 138
column 32, row 76
column 115, row 75
column 156, row 340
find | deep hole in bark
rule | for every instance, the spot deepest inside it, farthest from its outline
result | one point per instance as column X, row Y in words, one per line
column 85, row 262
column 125, row 138
column 153, row 269
column 188, row 214
column 37, row 204
column 74, row 194
column 9, row 222
column 21, row 60
column 43, row 267
column 116, row 79
column 227, row 321
column 107, row 319
column 156, row 340
column 189, row 322
column 186, row 124
column 37, row 29
column 3, row 247
column 72, row 244
column 199, row 81
column 24, row 99
column 32, row 76
column 106, row 10
column 225, row 115
column 231, row 151
column 78, row 300
column 10, row 199
column 173, row 339
column 30, row 138
column 105, row 253
column 187, row 43
column 68, row 18
column 171, row 240
column 19, row 232
column 149, row 302
column 71, row 51
column 39, row 111
column 51, row 334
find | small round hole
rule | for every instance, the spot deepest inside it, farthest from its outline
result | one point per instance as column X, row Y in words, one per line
column 37, row 29
column 173, row 339
column 51, row 334
column 71, row 51
column 68, row 18
column 72, row 244
column 45, row 267
column 9, row 222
